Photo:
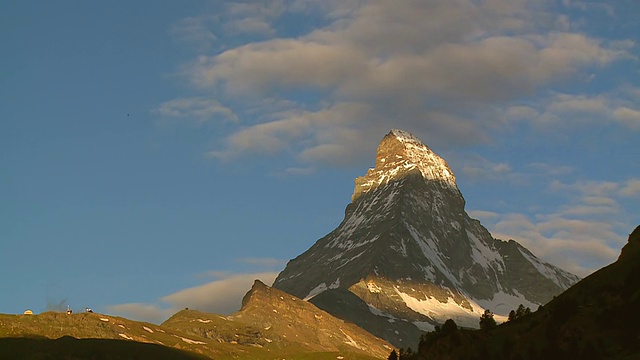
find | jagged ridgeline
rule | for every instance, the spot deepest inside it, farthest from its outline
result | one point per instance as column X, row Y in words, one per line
column 407, row 256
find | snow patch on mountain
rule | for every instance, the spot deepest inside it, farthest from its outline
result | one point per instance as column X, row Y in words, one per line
column 346, row 261
column 350, row 341
column 377, row 312
column 441, row 311
column 125, row 336
column 484, row 255
column 550, row 272
column 432, row 166
column 430, row 251
column 502, row 303
column 424, row 326
column 315, row 291
column 335, row 284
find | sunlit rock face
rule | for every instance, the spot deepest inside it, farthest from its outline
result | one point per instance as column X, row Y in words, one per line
column 408, row 250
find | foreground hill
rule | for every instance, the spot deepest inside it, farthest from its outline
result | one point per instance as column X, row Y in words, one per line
column 79, row 336
column 282, row 324
column 271, row 324
column 407, row 256
column 598, row 318
column 70, row 348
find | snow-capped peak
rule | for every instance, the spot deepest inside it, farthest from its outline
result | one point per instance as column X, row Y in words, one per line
column 400, row 153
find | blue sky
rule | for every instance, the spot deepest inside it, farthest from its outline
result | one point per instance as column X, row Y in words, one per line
column 159, row 155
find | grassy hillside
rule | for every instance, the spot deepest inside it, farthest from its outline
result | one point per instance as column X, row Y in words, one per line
column 270, row 325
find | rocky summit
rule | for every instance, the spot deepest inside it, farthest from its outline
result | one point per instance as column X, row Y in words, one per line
column 407, row 256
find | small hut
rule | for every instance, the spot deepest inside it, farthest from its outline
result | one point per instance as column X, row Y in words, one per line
column 28, row 312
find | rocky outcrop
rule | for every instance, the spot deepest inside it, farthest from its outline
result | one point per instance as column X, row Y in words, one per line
column 285, row 318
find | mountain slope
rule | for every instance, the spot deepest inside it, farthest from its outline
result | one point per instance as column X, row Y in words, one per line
column 281, row 324
column 50, row 329
column 408, row 249
column 597, row 318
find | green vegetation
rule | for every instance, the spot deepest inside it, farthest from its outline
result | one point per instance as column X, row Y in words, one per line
column 487, row 321
column 519, row 313
column 393, row 355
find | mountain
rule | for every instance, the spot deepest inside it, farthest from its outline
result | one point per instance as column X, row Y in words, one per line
column 597, row 318
column 271, row 324
column 407, row 256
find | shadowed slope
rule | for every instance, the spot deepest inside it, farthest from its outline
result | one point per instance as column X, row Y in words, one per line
column 69, row 348
column 595, row 319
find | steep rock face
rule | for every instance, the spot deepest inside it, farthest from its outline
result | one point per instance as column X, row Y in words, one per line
column 409, row 250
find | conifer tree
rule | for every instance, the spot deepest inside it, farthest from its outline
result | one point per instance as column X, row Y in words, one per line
column 393, row 355
column 487, row 321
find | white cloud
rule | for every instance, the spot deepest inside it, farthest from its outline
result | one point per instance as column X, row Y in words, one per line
column 521, row 112
column 479, row 168
column 599, row 201
column 562, row 103
column 199, row 108
column 631, row 188
column 628, row 116
column 222, row 296
column 579, row 246
column 426, row 66
column 313, row 135
column 616, row 106
column 194, row 31
column 483, row 215
column 590, row 6
column 582, row 234
column 253, row 17
column 141, row 312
